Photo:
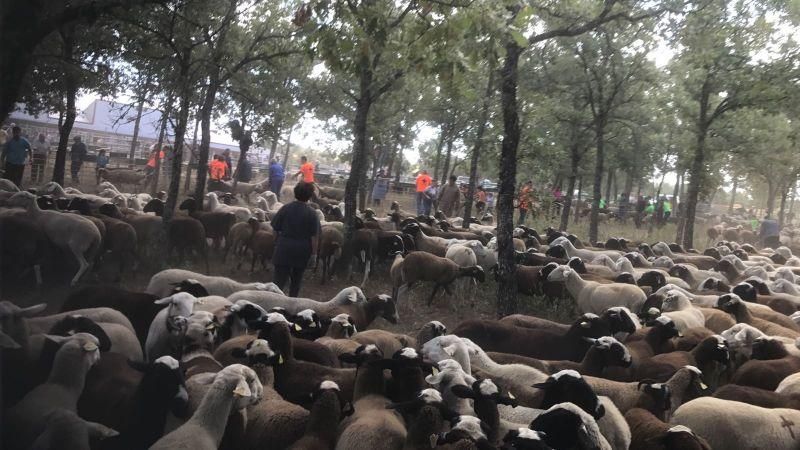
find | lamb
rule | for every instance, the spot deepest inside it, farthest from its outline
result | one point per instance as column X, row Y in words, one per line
column 77, row 354
column 166, row 327
column 594, row 297
column 650, row 433
column 238, row 236
column 330, row 250
column 217, row 224
column 233, row 388
column 241, row 213
column 163, row 283
column 729, row 424
column 423, row 266
column 72, row 233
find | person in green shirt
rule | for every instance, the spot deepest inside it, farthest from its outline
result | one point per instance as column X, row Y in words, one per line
column 602, row 203
column 649, row 209
column 667, row 210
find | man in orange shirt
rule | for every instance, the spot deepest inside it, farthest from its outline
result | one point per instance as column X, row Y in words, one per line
column 306, row 170
column 423, row 182
column 216, row 170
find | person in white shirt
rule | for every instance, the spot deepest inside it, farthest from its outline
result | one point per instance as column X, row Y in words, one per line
column 41, row 151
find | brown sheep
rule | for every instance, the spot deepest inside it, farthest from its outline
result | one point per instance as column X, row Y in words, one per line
column 331, row 242
column 650, row 433
column 187, row 233
column 733, row 304
column 262, row 245
column 705, row 356
column 770, row 364
column 423, row 266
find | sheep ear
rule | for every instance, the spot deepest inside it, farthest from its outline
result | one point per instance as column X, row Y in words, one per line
column 32, row 310
column 459, row 390
column 434, row 379
column 100, row 431
column 450, row 349
column 350, row 358
column 164, row 301
column 242, row 389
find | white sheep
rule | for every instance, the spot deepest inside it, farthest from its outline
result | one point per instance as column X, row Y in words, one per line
column 451, row 373
column 677, row 307
column 593, row 297
column 163, row 283
column 584, row 254
column 790, row 385
column 168, row 325
column 65, row 430
column 269, row 300
column 727, row 424
column 70, row 232
column 241, row 213
column 233, row 388
column 7, row 185
column 77, row 354
column 464, row 256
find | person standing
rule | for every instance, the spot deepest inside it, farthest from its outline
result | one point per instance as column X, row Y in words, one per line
column 216, row 172
column 16, row 152
column 100, row 163
column 276, row 177
column 306, row 170
column 769, row 232
column 226, row 158
column 431, row 194
column 480, row 200
column 423, row 181
column 77, row 155
column 667, row 209
column 297, row 228
column 245, row 170
column 41, row 151
column 525, row 200
column 450, row 197
column 380, row 188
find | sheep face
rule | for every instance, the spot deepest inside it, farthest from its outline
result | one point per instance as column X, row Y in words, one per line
column 165, row 377
column 666, row 327
column 621, row 320
column 745, row 291
column 680, row 437
column 259, row 353
column 525, row 438
column 465, row 427
column 556, row 251
column 388, row 308
column 576, row 264
column 307, row 323
column 242, row 382
column 613, row 351
column 346, row 323
column 714, row 348
column 675, row 301
column 74, row 323
column 561, row 428
column 560, row 273
column 729, row 303
column 680, row 271
column 569, row 386
column 80, row 346
column 625, row 278
column 201, row 331
column 654, row 278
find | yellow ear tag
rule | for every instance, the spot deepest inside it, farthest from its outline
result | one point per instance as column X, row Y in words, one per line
column 703, row 385
column 434, row 371
column 298, row 327
column 433, row 438
column 313, row 325
column 90, row 346
column 510, row 395
column 280, row 359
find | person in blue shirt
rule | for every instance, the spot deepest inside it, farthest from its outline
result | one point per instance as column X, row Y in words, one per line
column 276, row 177
column 769, row 232
column 16, row 152
column 100, row 163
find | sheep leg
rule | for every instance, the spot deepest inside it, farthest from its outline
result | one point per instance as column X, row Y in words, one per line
column 37, row 270
column 433, row 294
column 252, row 263
column 84, row 266
column 366, row 273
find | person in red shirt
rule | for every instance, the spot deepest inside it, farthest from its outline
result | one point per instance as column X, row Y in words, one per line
column 423, row 182
column 216, row 170
column 525, row 200
column 306, row 170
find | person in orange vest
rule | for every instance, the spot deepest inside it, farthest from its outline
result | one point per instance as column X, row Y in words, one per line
column 150, row 168
column 423, row 182
column 306, row 170
column 216, row 169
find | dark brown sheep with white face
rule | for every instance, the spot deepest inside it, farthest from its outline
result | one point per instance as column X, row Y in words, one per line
column 650, row 433
column 733, row 304
column 710, row 352
column 423, row 266
column 757, row 396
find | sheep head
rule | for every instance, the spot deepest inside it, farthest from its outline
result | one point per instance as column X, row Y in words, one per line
column 82, row 346
column 242, row 382
column 570, row 386
column 675, row 301
column 561, row 273
column 345, row 322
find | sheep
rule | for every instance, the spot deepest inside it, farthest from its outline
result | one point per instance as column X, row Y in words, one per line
column 593, row 297
column 324, row 420
column 566, row 425
column 614, row 321
column 486, row 396
column 372, row 245
column 450, row 373
column 163, row 283
column 167, row 324
column 238, row 236
column 8, row 185
column 677, row 307
column 770, row 364
column 121, row 339
column 423, row 266
column 233, row 388
column 756, row 396
column 337, row 338
column 650, row 433
column 241, row 213
column 187, row 233
column 466, row 432
column 433, row 245
column 464, row 256
column 65, row 430
column 733, row 304
column 72, row 233
column 705, row 356
column 43, row 324
column 217, row 224
column 388, row 343
column 729, row 424
column 23, row 246
column 77, row 354
column 585, row 254
column 330, row 250
column 702, row 262
column 262, row 246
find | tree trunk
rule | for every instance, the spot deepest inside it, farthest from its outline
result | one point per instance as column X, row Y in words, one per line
column 180, row 134
column 273, row 148
column 578, row 201
column 192, row 156
column 609, row 181
column 573, row 175
column 733, row 194
column 439, row 147
column 478, row 146
column 446, row 169
column 288, row 147
column 598, row 177
column 772, row 191
column 138, row 121
column 696, row 175
column 628, row 184
column 70, row 92
column 206, row 110
column 506, row 268
column 160, row 144
column 782, row 210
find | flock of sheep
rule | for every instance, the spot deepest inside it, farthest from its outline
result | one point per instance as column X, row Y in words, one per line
column 672, row 349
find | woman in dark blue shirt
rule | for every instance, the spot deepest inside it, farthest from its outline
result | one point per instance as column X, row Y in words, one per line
column 297, row 229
